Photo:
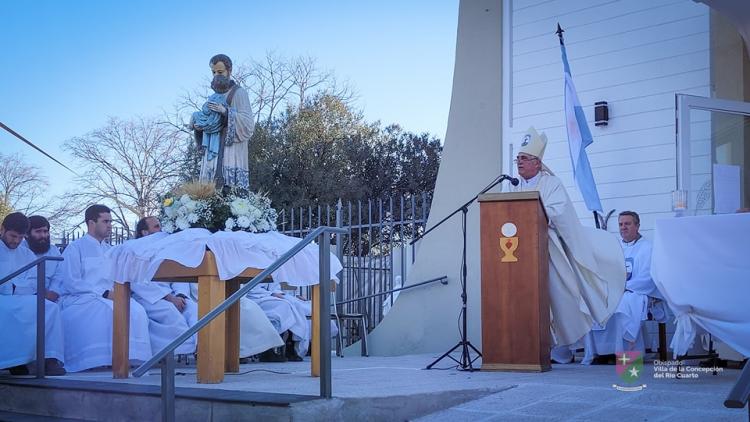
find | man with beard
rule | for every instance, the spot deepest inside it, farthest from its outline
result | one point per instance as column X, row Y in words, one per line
column 18, row 311
column 167, row 312
column 38, row 241
column 223, row 129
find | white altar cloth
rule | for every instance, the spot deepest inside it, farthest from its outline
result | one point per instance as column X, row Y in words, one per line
column 701, row 265
column 137, row 261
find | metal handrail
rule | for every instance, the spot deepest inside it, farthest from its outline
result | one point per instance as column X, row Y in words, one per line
column 41, row 293
column 27, row 266
column 443, row 280
column 740, row 394
column 166, row 355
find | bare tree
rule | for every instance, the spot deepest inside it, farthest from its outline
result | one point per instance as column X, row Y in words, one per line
column 128, row 165
column 307, row 77
column 21, row 186
column 269, row 81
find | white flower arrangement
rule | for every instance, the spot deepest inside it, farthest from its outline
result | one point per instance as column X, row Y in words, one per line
column 252, row 214
column 202, row 206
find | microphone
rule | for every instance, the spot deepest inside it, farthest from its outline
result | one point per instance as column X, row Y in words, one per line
column 513, row 181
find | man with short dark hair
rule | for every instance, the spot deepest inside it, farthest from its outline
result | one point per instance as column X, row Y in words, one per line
column 623, row 331
column 87, row 302
column 18, row 310
column 256, row 332
column 167, row 311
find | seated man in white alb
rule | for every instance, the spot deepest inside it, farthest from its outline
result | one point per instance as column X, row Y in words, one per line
column 256, row 332
column 623, row 331
column 87, row 302
column 18, row 310
column 168, row 314
column 38, row 241
column 288, row 318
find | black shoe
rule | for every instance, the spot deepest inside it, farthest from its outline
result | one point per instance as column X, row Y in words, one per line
column 271, row 355
column 19, row 370
column 291, row 352
column 292, row 356
column 53, row 368
column 604, row 360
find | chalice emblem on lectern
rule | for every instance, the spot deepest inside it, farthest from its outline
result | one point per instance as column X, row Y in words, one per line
column 508, row 242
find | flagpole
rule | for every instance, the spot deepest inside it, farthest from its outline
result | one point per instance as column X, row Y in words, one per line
column 590, row 195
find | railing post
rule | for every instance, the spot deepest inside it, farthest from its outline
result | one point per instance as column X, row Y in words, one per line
column 340, row 248
column 167, row 388
column 403, row 266
column 41, row 293
column 324, row 246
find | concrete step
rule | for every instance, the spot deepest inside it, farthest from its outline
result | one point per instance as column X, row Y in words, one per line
column 23, row 417
column 121, row 401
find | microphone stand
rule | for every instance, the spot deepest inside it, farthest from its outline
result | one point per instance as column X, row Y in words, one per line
column 466, row 362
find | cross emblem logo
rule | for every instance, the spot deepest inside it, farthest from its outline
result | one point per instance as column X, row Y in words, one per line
column 629, row 366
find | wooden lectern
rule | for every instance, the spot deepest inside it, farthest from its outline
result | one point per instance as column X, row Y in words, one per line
column 515, row 292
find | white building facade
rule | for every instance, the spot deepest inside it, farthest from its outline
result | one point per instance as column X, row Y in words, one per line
column 676, row 77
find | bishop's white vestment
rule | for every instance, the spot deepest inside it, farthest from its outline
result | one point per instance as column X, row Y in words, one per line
column 18, row 315
column 87, row 316
column 586, row 270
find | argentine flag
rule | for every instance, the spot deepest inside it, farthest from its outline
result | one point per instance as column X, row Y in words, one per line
column 579, row 137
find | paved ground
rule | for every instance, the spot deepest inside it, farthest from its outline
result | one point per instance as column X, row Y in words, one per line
column 568, row 392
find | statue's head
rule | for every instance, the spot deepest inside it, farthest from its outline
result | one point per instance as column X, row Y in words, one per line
column 221, row 68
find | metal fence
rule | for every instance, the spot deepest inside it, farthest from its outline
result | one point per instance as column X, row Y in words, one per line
column 375, row 254
column 119, row 235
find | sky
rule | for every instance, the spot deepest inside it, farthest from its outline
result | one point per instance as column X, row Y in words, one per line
column 69, row 66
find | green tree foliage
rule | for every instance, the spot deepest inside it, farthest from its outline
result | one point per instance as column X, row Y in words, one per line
column 325, row 151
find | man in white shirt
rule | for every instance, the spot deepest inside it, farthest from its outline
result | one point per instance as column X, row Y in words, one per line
column 168, row 312
column 256, row 332
column 87, row 300
column 18, row 309
column 623, row 331
column 288, row 316
column 38, row 241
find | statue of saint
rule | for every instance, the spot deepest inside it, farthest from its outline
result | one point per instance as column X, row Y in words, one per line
column 223, row 129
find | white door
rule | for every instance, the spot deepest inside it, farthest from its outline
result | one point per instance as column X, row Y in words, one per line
column 713, row 154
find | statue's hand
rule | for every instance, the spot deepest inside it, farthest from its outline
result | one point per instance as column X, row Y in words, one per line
column 217, row 108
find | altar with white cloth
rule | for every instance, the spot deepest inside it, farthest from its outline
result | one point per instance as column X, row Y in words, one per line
column 219, row 262
column 701, row 265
